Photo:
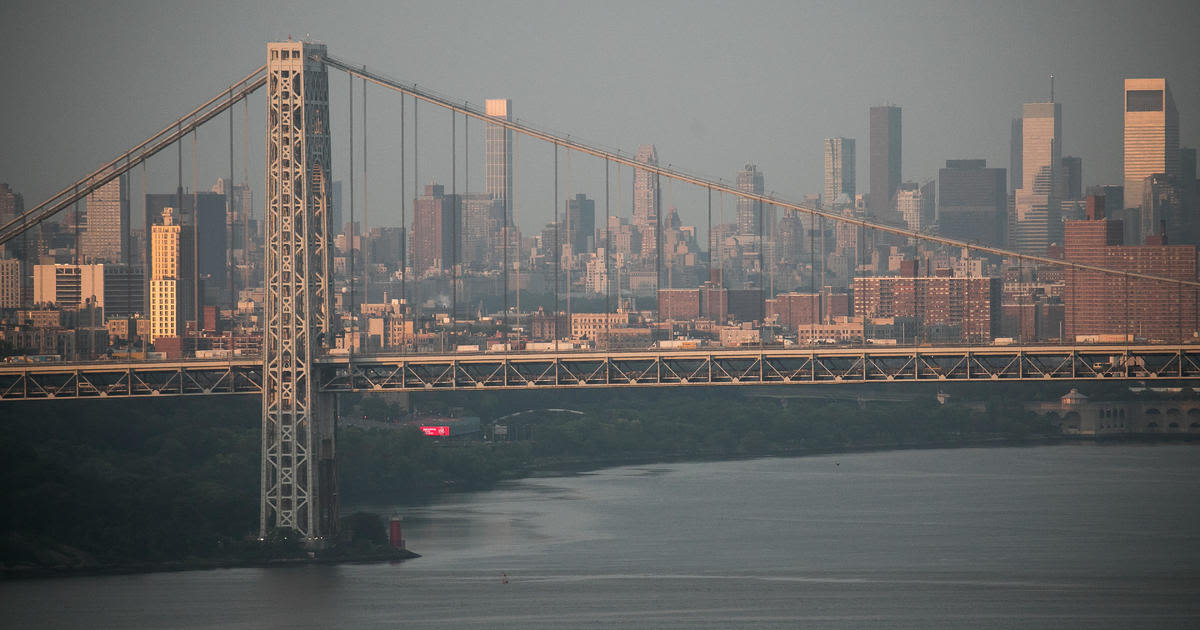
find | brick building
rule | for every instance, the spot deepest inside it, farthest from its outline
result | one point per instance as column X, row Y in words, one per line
column 1100, row 303
column 954, row 309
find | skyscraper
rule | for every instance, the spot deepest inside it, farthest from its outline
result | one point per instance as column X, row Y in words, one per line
column 581, row 224
column 1036, row 222
column 972, row 202
column 434, row 214
column 839, row 171
column 1014, row 156
column 885, row 158
column 749, row 180
column 645, row 198
column 915, row 204
column 498, row 150
column 1151, row 135
column 106, row 238
column 164, row 277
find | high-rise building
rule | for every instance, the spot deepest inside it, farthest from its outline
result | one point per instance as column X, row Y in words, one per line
column 498, row 180
column 434, row 215
column 165, row 270
column 1151, row 135
column 750, row 180
column 1072, row 173
column 482, row 218
column 645, row 199
column 1014, row 155
column 10, row 283
column 885, row 159
column 581, row 224
column 972, row 202
column 1036, row 221
column 1105, row 304
column 106, row 238
column 839, row 171
column 915, row 204
column 12, row 205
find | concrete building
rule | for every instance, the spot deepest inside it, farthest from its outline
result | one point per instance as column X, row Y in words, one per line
column 581, row 224
column 885, row 159
column 165, row 265
column 972, row 203
column 839, row 171
column 106, row 238
column 645, row 200
column 1151, row 137
column 498, row 180
column 10, row 283
column 749, row 211
column 1036, row 221
column 434, row 215
column 68, row 286
column 915, row 204
column 1014, row 156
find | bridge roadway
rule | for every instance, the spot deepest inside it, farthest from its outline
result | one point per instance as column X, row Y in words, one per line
column 538, row 370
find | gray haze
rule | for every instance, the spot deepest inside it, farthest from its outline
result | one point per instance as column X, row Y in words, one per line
column 713, row 85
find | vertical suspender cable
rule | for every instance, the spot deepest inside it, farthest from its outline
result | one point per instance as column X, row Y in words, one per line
column 657, row 244
column 229, row 266
column 607, row 247
column 246, row 209
column 516, row 162
column 403, row 214
column 710, row 234
column 366, row 228
column 557, row 248
column 350, row 237
column 570, row 238
column 197, row 308
column 455, row 213
column 78, row 218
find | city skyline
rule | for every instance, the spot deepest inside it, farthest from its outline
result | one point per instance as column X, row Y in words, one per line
column 941, row 123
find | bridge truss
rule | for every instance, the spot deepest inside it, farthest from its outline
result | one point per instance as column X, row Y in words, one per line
column 722, row 366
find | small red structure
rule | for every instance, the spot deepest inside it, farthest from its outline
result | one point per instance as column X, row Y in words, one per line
column 396, row 533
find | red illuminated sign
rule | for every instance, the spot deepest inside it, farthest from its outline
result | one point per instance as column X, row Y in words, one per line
column 439, row 431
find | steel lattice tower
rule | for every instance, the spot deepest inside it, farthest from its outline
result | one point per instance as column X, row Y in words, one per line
column 298, row 483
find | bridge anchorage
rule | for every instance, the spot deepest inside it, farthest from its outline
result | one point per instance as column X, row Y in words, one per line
column 298, row 377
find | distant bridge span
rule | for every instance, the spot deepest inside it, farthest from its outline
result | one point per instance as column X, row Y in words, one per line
column 564, row 370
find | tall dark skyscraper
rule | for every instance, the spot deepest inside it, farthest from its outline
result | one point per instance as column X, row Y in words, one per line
column 972, row 202
column 885, row 159
column 1072, row 172
column 581, row 223
column 1014, row 156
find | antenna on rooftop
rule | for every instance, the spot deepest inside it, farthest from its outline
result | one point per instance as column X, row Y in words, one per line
column 1052, row 88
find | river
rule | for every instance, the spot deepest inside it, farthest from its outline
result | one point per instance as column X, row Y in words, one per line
column 1033, row 537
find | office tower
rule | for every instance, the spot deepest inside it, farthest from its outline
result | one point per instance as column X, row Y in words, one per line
column 1072, row 173
column 335, row 209
column 164, row 277
column 645, row 199
column 839, row 172
column 915, row 204
column 498, row 180
column 885, row 159
column 482, row 218
column 10, row 283
column 1126, row 308
column 106, row 238
column 972, row 202
column 68, row 286
column 12, row 205
column 581, row 224
column 1036, row 221
column 1014, row 156
column 1151, row 135
column 749, row 180
column 434, row 215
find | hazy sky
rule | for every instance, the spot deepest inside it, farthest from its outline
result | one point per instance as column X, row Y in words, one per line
column 713, row 85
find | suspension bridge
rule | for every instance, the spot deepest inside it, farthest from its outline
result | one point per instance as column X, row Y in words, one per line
column 298, row 375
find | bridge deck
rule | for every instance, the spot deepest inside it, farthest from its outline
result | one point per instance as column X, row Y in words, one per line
column 537, row 370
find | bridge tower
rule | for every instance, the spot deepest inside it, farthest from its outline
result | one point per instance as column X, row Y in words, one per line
column 298, row 484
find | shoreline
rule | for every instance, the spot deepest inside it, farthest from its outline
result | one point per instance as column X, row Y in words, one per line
column 576, row 466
